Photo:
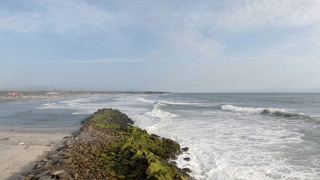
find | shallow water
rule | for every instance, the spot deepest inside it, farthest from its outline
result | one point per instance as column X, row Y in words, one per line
column 230, row 136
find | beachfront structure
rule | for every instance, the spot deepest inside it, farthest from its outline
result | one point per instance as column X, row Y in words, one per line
column 14, row 94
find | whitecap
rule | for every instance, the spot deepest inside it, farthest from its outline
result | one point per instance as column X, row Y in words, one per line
column 146, row 100
column 266, row 111
column 160, row 113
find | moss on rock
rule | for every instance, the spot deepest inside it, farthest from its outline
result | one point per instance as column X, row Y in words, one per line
column 109, row 147
column 135, row 154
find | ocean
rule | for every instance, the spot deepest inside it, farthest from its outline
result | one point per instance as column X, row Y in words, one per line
column 230, row 136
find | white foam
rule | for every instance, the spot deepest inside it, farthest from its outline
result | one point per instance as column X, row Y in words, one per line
column 234, row 147
column 159, row 113
column 51, row 106
column 165, row 102
column 223, row 146
column 146, row 100
column 177, row 103
column 81, row 105
column 233, row 108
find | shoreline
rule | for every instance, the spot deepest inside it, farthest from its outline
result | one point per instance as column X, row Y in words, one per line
column 31, row 95
column 34, row 97
column 20, row 150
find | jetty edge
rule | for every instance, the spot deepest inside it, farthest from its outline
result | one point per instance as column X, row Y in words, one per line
column 108, row 146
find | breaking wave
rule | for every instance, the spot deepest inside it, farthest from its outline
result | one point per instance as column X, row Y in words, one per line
column 166, row 102
column 176, row 103
column 158, row 112
column 266, row 111
column 146, row 100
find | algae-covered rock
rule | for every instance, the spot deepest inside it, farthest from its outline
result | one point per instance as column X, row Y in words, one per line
column 138, row 155
column 109, row 147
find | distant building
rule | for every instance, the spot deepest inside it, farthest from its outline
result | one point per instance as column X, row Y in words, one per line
column 14, row 94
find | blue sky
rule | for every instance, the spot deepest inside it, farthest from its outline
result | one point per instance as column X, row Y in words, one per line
column 179, row 46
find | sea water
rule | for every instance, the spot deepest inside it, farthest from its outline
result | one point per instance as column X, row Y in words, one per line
column 230, row 136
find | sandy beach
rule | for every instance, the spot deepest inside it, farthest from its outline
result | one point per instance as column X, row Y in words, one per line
column 21, row 150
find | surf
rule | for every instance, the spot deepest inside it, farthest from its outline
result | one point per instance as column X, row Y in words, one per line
column 277, row 112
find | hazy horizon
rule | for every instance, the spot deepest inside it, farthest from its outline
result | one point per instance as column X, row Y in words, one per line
column 208, row 46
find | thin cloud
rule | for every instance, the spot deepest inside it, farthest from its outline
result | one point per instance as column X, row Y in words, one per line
column 59, row 16
column 286, row 13
column 188, row 44
column 95, row 61
column 23, row 22
column 65, row 16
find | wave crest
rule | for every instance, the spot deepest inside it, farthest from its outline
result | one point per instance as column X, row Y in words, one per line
column 164, row 102
column 265, row 111
column 160, row 113
column 176, row 103
column 146, row 100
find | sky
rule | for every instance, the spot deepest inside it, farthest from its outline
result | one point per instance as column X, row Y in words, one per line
column 168, row 45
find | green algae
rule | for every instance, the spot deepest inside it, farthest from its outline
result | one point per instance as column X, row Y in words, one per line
column 134, row 154
column 109, row 126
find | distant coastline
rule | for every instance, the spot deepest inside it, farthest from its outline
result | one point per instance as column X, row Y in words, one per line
column 25, row 95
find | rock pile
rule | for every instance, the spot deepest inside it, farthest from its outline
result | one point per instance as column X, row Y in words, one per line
column 109, row 147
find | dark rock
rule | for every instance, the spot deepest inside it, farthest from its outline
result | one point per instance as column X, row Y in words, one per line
column 186, row 159
column 185, row 149
column 106, row 147
column 187, row 170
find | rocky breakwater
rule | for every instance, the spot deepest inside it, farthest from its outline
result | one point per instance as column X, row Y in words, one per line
column 108, row 146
